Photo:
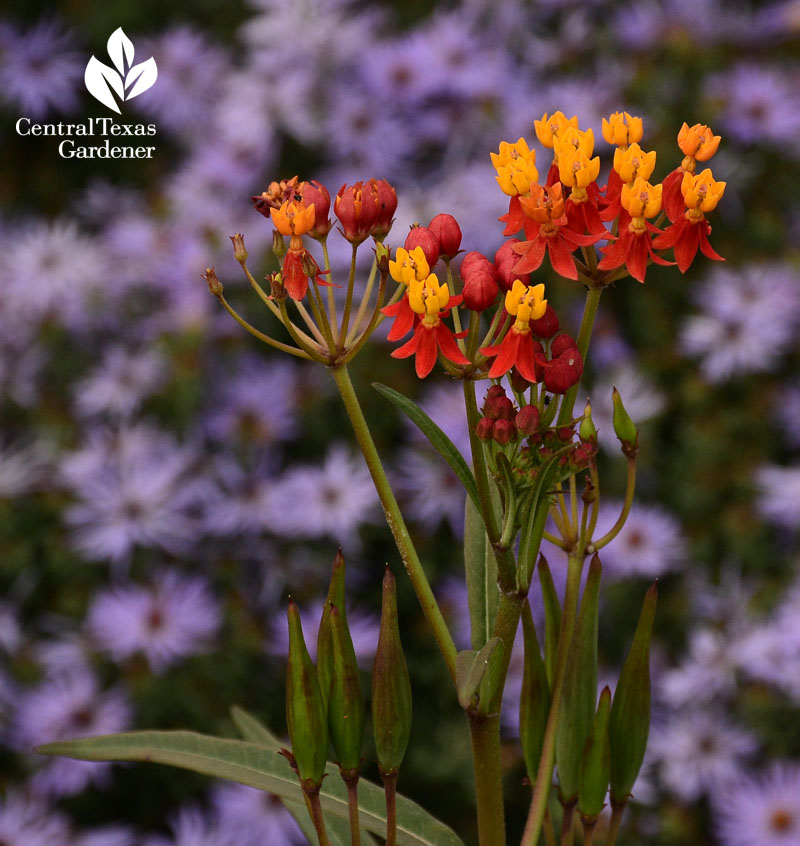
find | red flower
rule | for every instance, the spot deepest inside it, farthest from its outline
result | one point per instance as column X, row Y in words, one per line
column 517, row 349
column 404, row 317
column 429, row 339
column 632, row 248
column 686, row 236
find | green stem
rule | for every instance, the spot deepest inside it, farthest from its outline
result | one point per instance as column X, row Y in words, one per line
column 549, row 831
column 630, row 487
column 584, row 336
column 390, row 791
column 327, row 268
column 312, row 797
column 394, row 518
column 485, row 737
column 362, row 306
column 616, row 819
column 278, row 345
column 352, row 809
column 544, row 775
column 348, row 302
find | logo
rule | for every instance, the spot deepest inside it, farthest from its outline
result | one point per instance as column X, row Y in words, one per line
column 125, row 80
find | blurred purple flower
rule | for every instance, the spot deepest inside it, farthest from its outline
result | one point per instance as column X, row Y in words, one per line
column 251, row 817
column 121, row 382
column 111, row 835
column 255, row 402
column 707, row 672
column 173, row 618
column 65, row 706
column 431, row 491
column 24, row 468
column 750, row 317
column 786, row 409
column 332, row 499
column 190, row 827
column 699, row 752
column 778, row 495
column 134, row 486
column 40, row 70
column 760, row 808
column 25, row 821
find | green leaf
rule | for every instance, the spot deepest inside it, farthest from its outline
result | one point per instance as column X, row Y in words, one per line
column 437, row 438
column 471, row 666
column 255, row 766
column 480, row 567
column 552, row 618
column 338, row 829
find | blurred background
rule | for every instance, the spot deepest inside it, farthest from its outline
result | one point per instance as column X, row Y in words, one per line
column 153, row 456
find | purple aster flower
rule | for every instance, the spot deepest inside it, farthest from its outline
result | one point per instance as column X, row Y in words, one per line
column 134, row 486
column 444, row 404
column 110, row 835
column 191, row 73
column 431, row 490
column 760, row 104
column 251, row 817
column 40, row 69
column 760, row 808
column 23, row 468
column 787, row 412
column 750, row 317
column 121, row 382
column 256, row 402
column 707, row 672
column 332, row 499
column 244, row 496
column 174, row 617
column 26, row 821
column 699, row 752
column 778, row 498
column 49, row 269
column 363, row 627
column 63, row 707
column 190, row 827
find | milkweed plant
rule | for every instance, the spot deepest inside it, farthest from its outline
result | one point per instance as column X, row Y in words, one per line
column 531, row 475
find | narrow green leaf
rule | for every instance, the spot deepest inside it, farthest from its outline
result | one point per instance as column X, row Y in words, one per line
column 480, row 567
column 579, row 697
column 552, row 618
column 255, row 766
column 471, row 667
column 338, row 828
column 508, row 531
column 534, row 701
column 437, row 438
column 596, row 764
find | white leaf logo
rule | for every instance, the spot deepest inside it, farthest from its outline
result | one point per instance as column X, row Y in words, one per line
column 125, row 79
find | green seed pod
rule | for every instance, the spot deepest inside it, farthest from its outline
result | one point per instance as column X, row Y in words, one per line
column 587, row 429
column 305, row 714
column 552, row 617
column 624, row 427
column 579, row 695
column 391, row 687
column 596, row 765
column 346, row 708
column 629, row 724
column 324, row 637
column 534, row 703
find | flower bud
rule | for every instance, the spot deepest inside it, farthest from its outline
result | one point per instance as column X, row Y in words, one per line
column 278, row 244
column 504, row 431
column 391, row 687
column 214, row 285
column 386, row 198
column 275, row 196
column 499, row 407
column 629, row 723
column 357, row 209
column 448, row 233
column 504, row 260
column 527, row 420
column 421, row 236
column 624, row 427
column 293, row 274
column 547, row 325
column 239, row 250
column 305, row 713
column 518, row 382
column 277, row 291
column 316, row 194
column 587, row 430
column 336, row 596
column 346, row 707
column 596, row 763
column 483, row 429
column 561, row 344
column 564, row 371
column 480, row 282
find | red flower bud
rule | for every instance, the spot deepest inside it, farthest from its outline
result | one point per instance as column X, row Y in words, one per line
column 504, row 431
column 421, row 236
column 480, row 282
column 496, row 391
column 497, row 404
column 387, row 205
column 294, row 276
column 317, row 194
column 561, row 344
column 547, row 325
column 564, row 371
column 484, row 428
column 448, row 233
column 504, row 260
column 357, row 210
column 527, row 420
